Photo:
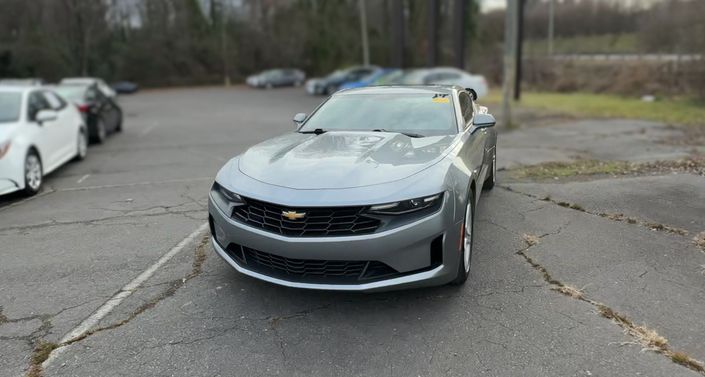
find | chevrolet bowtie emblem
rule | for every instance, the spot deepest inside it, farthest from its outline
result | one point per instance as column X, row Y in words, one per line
column 293, row 215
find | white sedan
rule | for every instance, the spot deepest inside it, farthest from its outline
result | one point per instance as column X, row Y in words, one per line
column 39, row 131
column 447, row 76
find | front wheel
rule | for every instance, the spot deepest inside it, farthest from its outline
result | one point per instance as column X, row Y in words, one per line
column 33, row 173
column 118, row 127
column 467, row 237
column 100, row 131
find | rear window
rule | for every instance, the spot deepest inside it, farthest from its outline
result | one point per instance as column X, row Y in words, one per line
column 75, row 93
column 10, row 105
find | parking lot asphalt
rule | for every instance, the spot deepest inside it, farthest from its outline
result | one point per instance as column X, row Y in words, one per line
column 553, row 290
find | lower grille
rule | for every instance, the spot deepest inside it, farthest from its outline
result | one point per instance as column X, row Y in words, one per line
column 310, row 270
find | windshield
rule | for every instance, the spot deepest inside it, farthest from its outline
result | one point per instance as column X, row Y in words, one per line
column 337, row 74
column 10, row 104
column 73, row 93
column 424, row 114
column 390, row 78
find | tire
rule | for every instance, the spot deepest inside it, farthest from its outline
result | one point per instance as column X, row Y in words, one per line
column 492, row 178
column 33, row 173
column 468, row 237
column 118, row 127
column 330, row 89
column 100, row 132
column 81, row 145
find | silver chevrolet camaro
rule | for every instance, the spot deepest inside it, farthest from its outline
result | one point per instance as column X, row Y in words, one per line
column 375, row 190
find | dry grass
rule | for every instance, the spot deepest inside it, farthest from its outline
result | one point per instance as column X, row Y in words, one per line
column 41, row 352
column 619, row 217
column 684, row 359
column 699, row 240
column 571, row 291
column 578, row 168
column 530, row 239
column 648, row 337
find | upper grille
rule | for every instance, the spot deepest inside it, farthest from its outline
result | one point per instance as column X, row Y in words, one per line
column 310, row 270
column 317, row 222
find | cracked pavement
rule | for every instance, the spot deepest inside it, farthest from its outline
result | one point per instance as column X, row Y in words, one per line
column 100, row 223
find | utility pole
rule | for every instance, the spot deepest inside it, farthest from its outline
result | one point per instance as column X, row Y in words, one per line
column 363, row 31
column 459, row 33
column 551, row 15
column 432, row 56
column 519, row 49
column 224, row 43
column 510, row 41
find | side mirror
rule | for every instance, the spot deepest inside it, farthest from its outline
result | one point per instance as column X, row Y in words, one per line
column 299, row 118
column 45, row 116
column 473, row 93
column 483, row 120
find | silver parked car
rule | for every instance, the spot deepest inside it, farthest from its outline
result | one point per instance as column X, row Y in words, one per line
column 276, row 77
column 375, row 190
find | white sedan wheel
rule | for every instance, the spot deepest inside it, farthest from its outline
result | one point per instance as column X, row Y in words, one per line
column 33, row 172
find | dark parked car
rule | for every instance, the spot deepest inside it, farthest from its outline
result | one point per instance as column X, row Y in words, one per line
column 331, row 83
column 125, row 87
column 102, row 114
column 277, row 77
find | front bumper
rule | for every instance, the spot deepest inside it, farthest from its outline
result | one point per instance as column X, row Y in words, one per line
column 7, row 186
column 407, row 249
column 12, row 170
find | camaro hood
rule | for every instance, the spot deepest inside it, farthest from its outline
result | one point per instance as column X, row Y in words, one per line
column 338, row 159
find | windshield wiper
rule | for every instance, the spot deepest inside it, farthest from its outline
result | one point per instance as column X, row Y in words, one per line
column 317, row 131
column 409, row 134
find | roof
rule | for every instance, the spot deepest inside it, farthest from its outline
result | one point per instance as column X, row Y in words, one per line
column 17, row 88
column 400, row 89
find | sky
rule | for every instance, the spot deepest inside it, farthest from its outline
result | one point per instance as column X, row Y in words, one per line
column 488, row 5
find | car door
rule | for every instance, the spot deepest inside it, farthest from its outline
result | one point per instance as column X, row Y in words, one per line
column 65, row 127
column 473, row 151
column 288, row 77
column 105, row 108
column 46, row 133
column 448, row 78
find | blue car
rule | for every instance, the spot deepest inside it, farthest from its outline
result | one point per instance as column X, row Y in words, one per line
column 369, row 79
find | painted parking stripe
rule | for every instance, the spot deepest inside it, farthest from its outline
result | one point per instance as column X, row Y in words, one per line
column 124, row 293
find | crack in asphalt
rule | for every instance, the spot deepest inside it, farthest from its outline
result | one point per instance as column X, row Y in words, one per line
column 97, row 222
column 35, row 340
column 42, row 349
column 642, row 335
column 618, row 217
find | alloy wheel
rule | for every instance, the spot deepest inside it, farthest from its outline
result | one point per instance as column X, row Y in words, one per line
column 33, row 172
column 467, row 237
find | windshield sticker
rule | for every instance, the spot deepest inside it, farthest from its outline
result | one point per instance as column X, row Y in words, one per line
column 440, row 100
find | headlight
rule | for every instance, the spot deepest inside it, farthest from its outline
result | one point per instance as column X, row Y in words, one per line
column 225, row 199
column 407, row 206
column 4, row 148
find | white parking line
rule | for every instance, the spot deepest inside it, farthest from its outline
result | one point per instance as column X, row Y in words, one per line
column 144, row 183
column 149, row 128
column 124, row 293
column 83, row 178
